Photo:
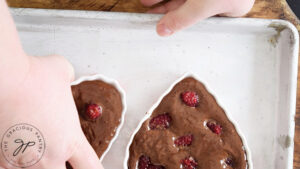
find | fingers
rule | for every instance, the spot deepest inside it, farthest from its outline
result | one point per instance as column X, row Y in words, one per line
column 186, row 15
column 57, row 167
column 85, row 157
column 239, row 8
column 2, row 167
column 169, row 6
column 60, row 65
column 150, row 2
column 51, row 167
column 46, row 164
column 67, row 66
column 70, row 70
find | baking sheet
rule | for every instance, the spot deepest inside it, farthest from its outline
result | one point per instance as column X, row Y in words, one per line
column 249, row 64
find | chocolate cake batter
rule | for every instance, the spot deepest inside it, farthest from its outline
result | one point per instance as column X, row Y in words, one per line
column 99, row 132
column 223, row 150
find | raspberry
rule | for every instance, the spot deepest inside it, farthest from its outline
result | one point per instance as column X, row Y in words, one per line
column 93, row 111
column 144, row 162
column 190, row 98
column 184, row 140
column 189, row 163
column 229, row 161
column 161, row 121
column 214, row 127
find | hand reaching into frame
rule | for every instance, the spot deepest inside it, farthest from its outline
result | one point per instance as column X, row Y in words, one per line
column 180, row 14
column 39, row 123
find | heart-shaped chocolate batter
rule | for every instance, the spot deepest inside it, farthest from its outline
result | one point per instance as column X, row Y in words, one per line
column 188, row 130
column 100, row 109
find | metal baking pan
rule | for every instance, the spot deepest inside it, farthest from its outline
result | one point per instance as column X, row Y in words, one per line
column 249, row 64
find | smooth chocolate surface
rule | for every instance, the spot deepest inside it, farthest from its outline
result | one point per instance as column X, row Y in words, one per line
column 210, row 150
column 99, row 132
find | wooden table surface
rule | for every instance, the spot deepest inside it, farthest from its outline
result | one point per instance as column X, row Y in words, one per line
column 275, row 9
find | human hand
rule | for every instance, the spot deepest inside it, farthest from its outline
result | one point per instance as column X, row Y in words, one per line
column 42, row 98
column 181, row 14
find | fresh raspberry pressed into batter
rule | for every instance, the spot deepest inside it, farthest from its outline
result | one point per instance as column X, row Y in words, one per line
column 189, row 163
column 184, row 140
column 190, row 98
column 93, row 111
column 214, row 127
column 161, row 121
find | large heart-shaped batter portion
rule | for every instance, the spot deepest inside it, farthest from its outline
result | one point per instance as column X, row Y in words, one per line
column 188, row 130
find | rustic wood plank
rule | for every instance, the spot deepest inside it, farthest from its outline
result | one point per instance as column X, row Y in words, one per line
column 275, row 9
column 103, row 5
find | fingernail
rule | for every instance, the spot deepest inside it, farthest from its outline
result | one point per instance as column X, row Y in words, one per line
column 163, row 30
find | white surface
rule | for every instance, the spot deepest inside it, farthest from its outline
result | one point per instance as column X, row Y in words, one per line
column 116, row 84
column 253, row 78
column 149, row 113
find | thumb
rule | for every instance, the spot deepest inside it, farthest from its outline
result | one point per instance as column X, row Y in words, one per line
column 188, row 14
column 85, row 157
column 57, row 167
column 66, row 66
column 59, row 64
